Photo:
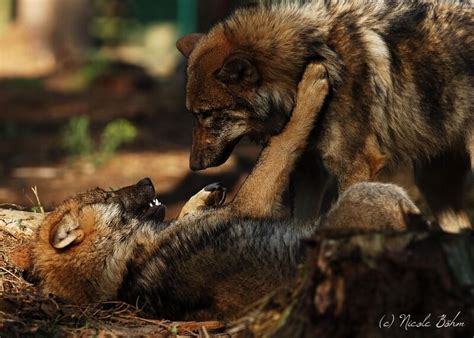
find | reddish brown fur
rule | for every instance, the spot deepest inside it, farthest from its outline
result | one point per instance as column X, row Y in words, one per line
column 401, row 89
column 205, row 264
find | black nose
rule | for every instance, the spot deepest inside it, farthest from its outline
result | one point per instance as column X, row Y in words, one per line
column 136, row 196
column 195, row 166
column 195, row 163
column 144, row 181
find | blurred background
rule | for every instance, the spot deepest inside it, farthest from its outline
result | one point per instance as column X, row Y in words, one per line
column 92, row 94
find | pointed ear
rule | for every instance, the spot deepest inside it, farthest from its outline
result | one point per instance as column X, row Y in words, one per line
column 187, row 43
column 65, row 233
column 238, row 69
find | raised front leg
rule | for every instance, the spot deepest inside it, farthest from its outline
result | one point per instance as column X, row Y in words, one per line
column 261, row 194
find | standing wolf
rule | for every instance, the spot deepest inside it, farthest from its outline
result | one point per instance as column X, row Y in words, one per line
column 401, row 76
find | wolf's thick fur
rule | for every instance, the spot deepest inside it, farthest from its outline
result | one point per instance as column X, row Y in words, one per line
column 401, row 76
column 211, row 263
column 104, row 245
column 370, row 206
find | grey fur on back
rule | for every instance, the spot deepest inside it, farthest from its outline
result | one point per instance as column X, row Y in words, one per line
column 371, row 206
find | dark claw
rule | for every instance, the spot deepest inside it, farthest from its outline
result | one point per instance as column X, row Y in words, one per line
column 217, row 194
column 214, row 186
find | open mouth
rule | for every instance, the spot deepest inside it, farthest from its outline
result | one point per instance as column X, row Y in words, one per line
column 154, row 211
column 140, row 201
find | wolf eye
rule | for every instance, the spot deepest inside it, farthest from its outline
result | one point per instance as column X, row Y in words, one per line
column 206, row 114
column 203, row 114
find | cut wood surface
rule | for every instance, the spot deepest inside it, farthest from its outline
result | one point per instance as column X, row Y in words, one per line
column 19, row 223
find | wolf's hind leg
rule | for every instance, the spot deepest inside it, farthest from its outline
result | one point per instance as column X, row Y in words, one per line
column 260, row 196
column 443, row 181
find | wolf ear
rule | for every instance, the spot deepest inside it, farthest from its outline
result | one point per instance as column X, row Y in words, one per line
column 65, row 234
column 187, row 43
column 238, row 69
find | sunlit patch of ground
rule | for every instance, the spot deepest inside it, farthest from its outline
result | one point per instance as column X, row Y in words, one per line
column 23, row 57
column 169, row 171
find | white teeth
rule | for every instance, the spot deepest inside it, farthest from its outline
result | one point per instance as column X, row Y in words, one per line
column 154, row 203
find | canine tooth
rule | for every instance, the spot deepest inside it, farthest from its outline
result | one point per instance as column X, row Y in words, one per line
column 156, row 201
column 151, row 204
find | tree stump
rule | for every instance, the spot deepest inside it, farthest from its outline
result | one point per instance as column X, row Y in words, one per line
column 415, row 284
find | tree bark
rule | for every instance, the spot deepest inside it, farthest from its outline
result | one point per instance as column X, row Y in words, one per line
column 416, row 284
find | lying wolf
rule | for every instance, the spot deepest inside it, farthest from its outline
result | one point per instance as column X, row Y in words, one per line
column 401, row 76
column 214, row 260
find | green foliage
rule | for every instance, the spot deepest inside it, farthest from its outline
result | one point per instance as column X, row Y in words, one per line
column 24, row 84
column 112, row 21
column 77, row 141
column 115, row 134
column 20, row 225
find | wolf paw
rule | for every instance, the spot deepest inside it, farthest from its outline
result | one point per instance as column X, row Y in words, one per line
column 313, row 81
column 212, row 195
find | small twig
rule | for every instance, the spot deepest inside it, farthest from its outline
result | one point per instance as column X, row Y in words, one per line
column 35, row 192
column 11, row 273
column 203, row 332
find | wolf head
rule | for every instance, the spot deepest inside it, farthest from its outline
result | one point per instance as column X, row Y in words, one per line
column 82, row 247
column 242, row 78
